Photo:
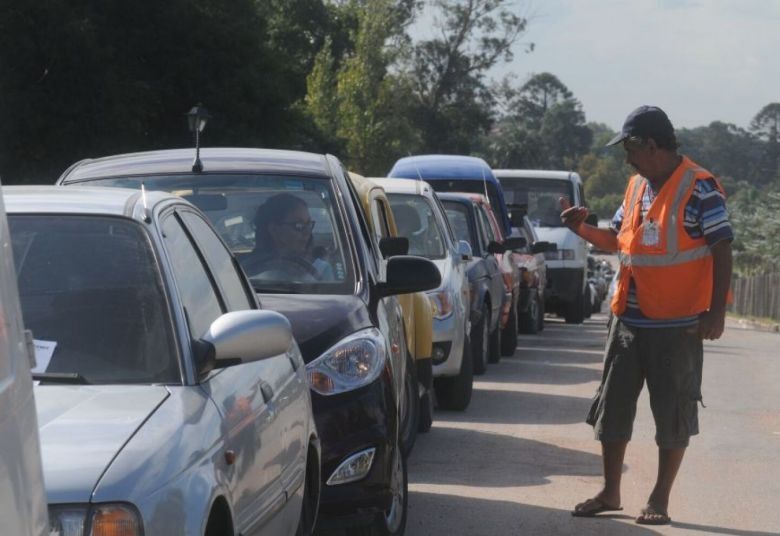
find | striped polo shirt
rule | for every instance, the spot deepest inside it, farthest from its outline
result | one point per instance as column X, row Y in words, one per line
column 705, row 215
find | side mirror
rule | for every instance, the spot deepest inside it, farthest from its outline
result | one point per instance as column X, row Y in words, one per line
column 406, row 274
column 515, row 242
column 393, row 246
column 592, row 219
column 496, row 248
column 464, row 250
column 543, row 247
column 242, row 337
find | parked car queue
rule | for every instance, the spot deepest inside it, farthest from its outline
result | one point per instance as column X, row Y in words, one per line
column 247, row 232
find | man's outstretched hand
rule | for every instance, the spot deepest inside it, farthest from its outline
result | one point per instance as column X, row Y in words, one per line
column 572, row 217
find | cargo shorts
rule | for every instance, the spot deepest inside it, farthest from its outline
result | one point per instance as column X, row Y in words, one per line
column 670, row 361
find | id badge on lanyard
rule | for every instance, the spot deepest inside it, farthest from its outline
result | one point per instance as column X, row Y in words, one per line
column 650, row 233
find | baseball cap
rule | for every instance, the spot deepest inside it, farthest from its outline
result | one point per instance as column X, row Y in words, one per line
column 645, row 122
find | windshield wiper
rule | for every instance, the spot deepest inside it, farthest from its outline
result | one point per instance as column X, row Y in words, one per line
column 73, row 378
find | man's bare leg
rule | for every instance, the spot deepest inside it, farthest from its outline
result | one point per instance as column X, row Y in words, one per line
column 612, row 455
column 669, row 461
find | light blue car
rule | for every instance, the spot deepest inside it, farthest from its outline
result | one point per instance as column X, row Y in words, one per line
column 167, row 402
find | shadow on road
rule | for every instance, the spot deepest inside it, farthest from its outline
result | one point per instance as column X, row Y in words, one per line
column 483, row 459
column 433, row 514
column 708, row 529
column 519, row 407
column 546, row 371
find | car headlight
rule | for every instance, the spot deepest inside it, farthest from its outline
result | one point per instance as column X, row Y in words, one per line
column 109, row 519
column 559, row 255
column 354, row 362
column 441, row 303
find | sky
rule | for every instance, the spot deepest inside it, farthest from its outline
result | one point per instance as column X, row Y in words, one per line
column 699, row 60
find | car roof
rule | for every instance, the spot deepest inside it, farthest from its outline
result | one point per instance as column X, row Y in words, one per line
column 442, row 166
column 81, row 200
column 534, row 174
column 214, row 159
column 394, row 186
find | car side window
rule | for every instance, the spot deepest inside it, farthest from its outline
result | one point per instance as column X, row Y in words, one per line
column 196, row 289
column 374, row 257
column 485, row 224
column 382, row 226
column 219, row 259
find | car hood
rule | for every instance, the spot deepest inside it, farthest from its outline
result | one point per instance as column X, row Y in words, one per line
column 559, row 235
column 83, row 428
column 319, row 321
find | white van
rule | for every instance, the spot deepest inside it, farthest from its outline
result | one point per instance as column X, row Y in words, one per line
column 538, row 192
column 22, row 494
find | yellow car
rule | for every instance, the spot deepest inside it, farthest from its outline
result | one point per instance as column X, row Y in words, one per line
column 417, row 307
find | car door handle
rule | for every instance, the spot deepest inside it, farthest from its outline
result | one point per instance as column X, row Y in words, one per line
column 268, row 391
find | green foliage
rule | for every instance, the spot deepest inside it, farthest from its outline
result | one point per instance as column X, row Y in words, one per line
column 753, row 213
column 543, row 126
column 86, row 78
column 453, row 104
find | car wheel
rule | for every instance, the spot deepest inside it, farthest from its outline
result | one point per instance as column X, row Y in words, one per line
column 597, row 307
column 529, row 320
column 480, row 342
column 426, row 413
column 454, row 393
column 540, row 325
column 588, row 309
column 509, row 334
column 575, row 310
column 411, row 407
column 393, row 521
column 494, row 352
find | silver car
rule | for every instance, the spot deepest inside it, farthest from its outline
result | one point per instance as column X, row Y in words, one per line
column 167, row 402
column 421, row 218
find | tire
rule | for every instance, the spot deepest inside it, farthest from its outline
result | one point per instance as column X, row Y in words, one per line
column 529, row 320
column 575, row 310
column 409, row 422
column 311, row 494
column 454, row 393
column 540, row 327
column 425, row 421
column 597, row 307
column 588, row 308
column 509, row 334
column 392, row 522
column 494, row 352
column 480, row 341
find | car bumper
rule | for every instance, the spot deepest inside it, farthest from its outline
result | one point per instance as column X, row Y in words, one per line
column 447, row 338
column 347, row 424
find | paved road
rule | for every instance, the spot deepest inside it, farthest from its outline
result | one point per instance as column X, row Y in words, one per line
column 520, row 457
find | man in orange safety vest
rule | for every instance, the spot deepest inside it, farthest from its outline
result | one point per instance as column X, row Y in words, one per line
column 673, row 239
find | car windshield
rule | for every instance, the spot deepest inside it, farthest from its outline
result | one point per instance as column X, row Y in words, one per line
column 92, row 294
column 285, row 231
column 541, row 197
column 416, row 220
column 457, row 213
column 472, row 186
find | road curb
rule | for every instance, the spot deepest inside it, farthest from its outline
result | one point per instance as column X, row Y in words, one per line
column 755, row 325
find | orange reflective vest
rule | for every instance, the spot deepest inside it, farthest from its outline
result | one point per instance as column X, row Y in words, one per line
column 672, row 272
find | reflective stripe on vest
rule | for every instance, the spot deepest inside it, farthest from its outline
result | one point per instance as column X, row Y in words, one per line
column 673, row 255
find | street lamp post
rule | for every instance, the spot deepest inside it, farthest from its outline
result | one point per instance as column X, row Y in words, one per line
column 197, row 118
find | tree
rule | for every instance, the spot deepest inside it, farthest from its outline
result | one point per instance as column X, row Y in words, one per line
column 453, row 104
column 766, row 125
column 543, row 125
column 83, row 79
column 358, row 103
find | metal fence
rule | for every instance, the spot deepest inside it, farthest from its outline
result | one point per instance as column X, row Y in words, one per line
column 757, row 295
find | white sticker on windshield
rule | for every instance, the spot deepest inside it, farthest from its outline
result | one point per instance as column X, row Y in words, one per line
column 43, row 352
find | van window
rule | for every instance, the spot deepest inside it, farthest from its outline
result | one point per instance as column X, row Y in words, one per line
column 541, row 197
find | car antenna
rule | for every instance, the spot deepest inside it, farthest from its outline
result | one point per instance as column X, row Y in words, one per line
column 147, row 214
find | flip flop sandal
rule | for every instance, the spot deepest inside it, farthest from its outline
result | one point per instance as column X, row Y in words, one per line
column 597, row 507
column 658, row 518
